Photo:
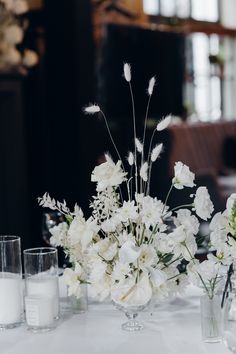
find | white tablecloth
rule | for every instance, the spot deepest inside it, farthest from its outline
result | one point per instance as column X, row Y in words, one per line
column 171, row 328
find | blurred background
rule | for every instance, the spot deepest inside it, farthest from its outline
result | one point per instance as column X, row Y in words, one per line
column 56, row 56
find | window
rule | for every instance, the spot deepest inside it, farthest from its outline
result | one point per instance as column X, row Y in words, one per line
column 200, row 10
column 210, row 77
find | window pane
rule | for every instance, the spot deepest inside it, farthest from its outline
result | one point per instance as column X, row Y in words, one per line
column 151, row 7
column 183, row 8
column 202, row 98
column 201, row 64
column 215, row 98
column 168, row 8
column 205, row 10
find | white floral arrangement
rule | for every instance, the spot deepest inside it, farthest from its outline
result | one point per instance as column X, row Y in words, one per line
column 11, row 35
column 126, row 250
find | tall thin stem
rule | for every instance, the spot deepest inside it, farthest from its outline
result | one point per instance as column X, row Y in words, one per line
column 112, row 140
column 115, row 147
column 135, row 135
column 145, row 126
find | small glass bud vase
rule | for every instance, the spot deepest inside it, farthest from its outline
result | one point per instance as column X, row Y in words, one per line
column 80, row 305
column 211, row 318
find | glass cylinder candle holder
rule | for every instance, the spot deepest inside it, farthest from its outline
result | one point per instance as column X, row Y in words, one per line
column 80, row 305
column 42, row 289
column 11, row 290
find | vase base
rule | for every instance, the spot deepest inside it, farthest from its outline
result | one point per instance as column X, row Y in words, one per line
column 132, row 326
column 212, row 340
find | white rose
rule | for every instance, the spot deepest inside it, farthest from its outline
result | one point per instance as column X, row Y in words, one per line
column 203, row 204
column 13, row 34
column 30, row 58
column 108, row 174
column 183, row 176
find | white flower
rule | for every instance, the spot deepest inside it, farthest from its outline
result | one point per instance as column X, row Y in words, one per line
column 92, row 109
column 190, row 222
column 183, row 243
column 130, row 158
column 183, row 176
column 129, row 253
column 59, row 233
column 163, row 124
column 203, row 204
column 127, row 212
column 30, row 58
column 144, row 171
column 110, row 225
column 151, row 85
column 127, row 72
column 230, row 203
column 138, row 145
column 156, row 152
column 47, row 202
column 106, row 249
column 98, row 270
column 82, row 231
column 219, row 222
column 150, row 210
column 13, row 34
column 73, row 279
column 157, row 276
column 147, row 257
column 108, row 174
column 132, row 293
column 120, row 272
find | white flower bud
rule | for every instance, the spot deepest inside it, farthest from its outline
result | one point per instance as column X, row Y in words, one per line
column 143, row 172
column 139, row 145
column 156, row 152
column 163, row 123
column 130, row 158
column 127, row 72
column 151, row 85
column 92, row 109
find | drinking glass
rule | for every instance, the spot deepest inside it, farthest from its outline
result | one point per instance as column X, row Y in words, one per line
column 42, row 290
column 11, row 290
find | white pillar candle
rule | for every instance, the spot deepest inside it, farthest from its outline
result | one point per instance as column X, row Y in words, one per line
column 11, row 298
column 39, row 311
column 44, row 286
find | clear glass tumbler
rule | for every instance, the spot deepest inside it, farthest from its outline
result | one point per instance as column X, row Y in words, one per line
column 211, row 318
column 42, row 289
column 11, row 290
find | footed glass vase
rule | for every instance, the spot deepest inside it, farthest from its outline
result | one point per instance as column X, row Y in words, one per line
column 211, row 318
column 131, row 313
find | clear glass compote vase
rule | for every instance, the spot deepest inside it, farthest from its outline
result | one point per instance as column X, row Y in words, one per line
column 131, row 313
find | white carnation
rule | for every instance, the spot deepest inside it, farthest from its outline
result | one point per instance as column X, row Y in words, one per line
column 203, row 204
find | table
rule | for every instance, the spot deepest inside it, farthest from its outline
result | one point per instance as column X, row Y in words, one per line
column 172, row 327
